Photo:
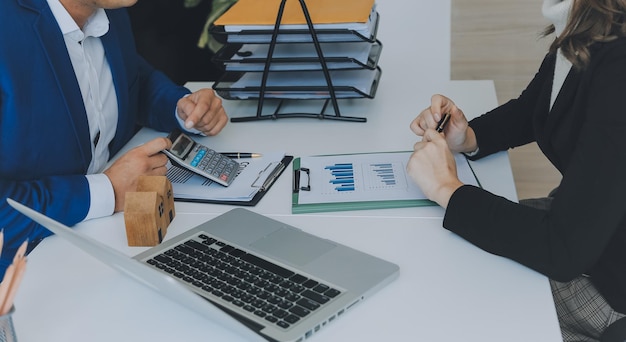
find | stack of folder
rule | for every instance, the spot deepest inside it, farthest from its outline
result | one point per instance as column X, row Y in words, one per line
column 346, row 32
column 247, row 16
column 263, row 12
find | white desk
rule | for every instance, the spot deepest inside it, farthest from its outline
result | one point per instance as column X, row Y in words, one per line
column 448, row 290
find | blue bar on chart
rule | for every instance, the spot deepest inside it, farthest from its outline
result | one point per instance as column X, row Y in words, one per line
column 385, row 173
column 342, row 175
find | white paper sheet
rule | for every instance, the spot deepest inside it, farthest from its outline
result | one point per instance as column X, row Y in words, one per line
column 365, row 177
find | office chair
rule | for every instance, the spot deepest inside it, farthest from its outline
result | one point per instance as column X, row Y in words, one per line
column 616, row 332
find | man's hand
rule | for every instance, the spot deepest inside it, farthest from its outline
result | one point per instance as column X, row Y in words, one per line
column 203, row 111
column 146, row 159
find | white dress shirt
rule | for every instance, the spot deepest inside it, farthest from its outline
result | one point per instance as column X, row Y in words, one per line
column 95, row 80
column 96, row 85
column 557, row 11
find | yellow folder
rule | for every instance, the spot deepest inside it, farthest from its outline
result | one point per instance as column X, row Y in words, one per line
column 264, row 12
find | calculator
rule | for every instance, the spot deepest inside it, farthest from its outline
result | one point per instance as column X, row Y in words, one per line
column 200, row 159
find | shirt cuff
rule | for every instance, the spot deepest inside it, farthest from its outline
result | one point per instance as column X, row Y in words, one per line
column 101, row 195
column 473, row 153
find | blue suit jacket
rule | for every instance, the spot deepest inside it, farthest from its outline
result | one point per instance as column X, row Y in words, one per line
column 44, row 136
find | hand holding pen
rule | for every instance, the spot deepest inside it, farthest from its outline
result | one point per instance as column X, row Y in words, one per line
column 441, row 125
column 458, row 134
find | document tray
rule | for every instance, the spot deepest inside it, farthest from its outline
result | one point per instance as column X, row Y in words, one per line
column 229, row 86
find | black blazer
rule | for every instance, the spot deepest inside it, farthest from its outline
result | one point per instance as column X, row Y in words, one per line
column 584, row 136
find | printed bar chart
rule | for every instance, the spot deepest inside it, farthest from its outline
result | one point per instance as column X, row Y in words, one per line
column 385, row 173
column 342, row 176
column 362, row 181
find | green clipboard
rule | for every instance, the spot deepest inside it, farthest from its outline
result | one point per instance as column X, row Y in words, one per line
column 301, row 208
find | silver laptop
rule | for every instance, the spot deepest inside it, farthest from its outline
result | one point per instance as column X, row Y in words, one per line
column 280, row 282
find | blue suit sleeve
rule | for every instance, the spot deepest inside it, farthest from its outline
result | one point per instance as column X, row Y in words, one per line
column 63, row 198
column 158, row 97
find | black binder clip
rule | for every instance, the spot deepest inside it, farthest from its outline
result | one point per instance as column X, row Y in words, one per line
column 296, row 180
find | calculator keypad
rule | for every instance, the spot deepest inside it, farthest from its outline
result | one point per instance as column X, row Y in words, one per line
column 214, row 164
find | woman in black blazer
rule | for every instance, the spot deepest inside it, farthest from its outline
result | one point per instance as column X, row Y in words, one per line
column 575, row 109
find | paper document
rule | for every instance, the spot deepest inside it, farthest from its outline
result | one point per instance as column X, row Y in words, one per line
column 253, row 174
column 256, row 12
column 309, row 85
column 298, row 56
column 341, row 32
column 361, row 181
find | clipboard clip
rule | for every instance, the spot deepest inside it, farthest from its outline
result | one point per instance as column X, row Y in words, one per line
column 296, row 180
column 278, row 169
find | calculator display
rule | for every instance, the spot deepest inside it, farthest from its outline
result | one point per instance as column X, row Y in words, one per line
column 195, row 157
column 181, row 146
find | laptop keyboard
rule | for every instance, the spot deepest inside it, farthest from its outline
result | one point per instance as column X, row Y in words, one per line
column 230, row 275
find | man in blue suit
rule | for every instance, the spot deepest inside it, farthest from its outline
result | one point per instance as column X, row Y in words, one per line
column 73, row 91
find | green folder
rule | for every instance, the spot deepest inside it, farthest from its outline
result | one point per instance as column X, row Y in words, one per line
column 299, row 208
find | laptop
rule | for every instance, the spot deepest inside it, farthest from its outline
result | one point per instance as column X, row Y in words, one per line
column 281, row 283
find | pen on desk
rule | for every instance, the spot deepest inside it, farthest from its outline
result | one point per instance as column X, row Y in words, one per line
column 443, row 122
column 270, row 179
column 241, row 155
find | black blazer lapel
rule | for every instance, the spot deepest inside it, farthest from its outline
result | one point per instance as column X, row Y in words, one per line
column 562, row 120
column 563, row 103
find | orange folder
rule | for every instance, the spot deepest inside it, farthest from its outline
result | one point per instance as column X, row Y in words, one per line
column 264, row 12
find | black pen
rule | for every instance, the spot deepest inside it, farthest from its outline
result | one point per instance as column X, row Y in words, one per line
column 443, row 122
column 239, row 155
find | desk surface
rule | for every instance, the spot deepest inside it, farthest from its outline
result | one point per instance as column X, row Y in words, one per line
column 448, row 290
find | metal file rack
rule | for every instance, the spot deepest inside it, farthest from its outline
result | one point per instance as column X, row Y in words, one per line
column 270, row 66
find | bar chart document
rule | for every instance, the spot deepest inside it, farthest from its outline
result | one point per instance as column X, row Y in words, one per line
column 361, row 181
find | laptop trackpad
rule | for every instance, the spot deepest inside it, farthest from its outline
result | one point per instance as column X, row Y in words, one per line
column 293, row 245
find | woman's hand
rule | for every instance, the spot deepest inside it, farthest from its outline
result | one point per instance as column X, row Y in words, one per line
column 459, row 136
column 433, row 168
